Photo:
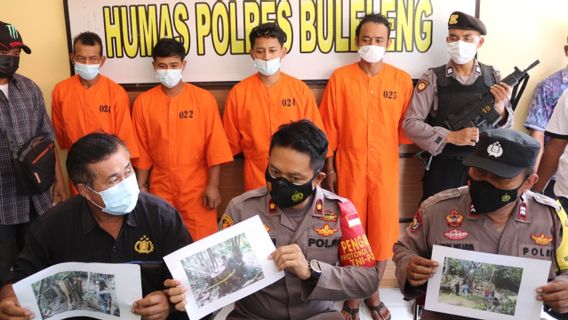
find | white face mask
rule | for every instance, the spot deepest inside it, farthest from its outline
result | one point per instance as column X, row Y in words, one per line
column 87, row 71
column 121, row 198
column 169, row 77
column 267, row 67
column 372, row 54
column 462, row 52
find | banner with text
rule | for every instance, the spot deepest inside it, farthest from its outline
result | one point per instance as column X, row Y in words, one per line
column 320, row 34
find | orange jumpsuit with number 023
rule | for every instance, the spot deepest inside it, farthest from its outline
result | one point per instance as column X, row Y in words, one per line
column 253, row 112
column 180, row 138
column 362, row 117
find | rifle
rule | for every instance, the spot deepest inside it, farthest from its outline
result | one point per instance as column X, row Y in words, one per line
column 484, row 112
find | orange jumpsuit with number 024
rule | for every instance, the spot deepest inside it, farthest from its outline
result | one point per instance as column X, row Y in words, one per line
column 77, row 111
column 253, row 112
column 180, row 138
column 362, row 117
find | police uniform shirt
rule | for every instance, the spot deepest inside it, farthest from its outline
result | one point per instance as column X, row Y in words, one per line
column 425, row 102
column 69, row 233
column 533, row 231
column 318, row 234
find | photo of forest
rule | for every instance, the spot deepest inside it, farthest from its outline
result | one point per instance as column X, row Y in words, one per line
column 480, row 286
column 222, row 269
column 76, row 290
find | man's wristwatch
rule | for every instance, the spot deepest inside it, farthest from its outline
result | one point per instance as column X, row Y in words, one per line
column 315, row 272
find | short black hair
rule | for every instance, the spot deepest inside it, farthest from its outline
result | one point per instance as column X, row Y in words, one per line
column 303, row 136
column 92, row 148
column 167, row 47
column 89, row 38
column 267, row 30
column 374, row 18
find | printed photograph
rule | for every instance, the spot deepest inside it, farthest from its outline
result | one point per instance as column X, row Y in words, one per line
column 222, row 269
column 76, row 290
column 480, row 286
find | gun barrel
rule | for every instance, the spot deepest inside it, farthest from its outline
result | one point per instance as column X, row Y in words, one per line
column 534, row 64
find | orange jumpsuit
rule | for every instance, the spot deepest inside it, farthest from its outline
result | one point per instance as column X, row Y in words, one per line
column 77, row 111
column 362, row 117
column 180, row 138
column 254, row 112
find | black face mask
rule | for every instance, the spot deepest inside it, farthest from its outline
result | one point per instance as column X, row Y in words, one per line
column 486, row 198
column 286, row 194
column 8, row 66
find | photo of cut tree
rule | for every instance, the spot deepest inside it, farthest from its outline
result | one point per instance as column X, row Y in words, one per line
column 222, row 269
column 76, row 290
column 480, row 286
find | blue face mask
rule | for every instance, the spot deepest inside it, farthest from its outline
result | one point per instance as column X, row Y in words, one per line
column 267, row 67
column 120, row 199
column 87, row 71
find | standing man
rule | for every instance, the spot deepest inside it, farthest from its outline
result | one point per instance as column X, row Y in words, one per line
column 496, row 213
column 545, row 97
column 555, row 156
column 448, row 90
column 22, row 116
column 182, row 142
column 89, row 101
column 258, row 105
column 313, row 230
column 110, row 221
column 362, row 108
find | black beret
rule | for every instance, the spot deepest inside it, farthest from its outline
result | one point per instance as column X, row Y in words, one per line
column 460, row 20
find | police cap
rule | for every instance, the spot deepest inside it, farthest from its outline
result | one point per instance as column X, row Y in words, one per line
column 460, row 20
column 503, row 152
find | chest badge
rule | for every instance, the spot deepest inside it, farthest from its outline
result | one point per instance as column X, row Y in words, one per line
column 325, row 230
column 271, row 206
column 456, row 234
column 541, row 239
column 319, row 206
column 144, row 245
column 226, row 221
column 329, row 217
column 454, row 219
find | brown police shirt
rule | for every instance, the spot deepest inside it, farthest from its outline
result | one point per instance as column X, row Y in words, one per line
column 534, row 230
column 319, row 236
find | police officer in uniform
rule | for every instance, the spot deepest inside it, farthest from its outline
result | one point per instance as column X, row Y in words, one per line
column 447, row 90
column 497, row 213
column 313, row 229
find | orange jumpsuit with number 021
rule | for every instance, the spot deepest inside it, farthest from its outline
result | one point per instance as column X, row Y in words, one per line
column 253, row 112
column 180, row 138
column 362, row 117
column 77, row 111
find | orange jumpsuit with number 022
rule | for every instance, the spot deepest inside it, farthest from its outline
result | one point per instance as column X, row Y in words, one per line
column 253, row 112
column 180, row 138
column 362, row 117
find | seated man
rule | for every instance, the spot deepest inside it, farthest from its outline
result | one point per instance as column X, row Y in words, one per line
column 310, row 227
column 110, row 221
column 495, row 213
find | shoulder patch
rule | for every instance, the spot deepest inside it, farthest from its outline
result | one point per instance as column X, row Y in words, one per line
column 422, row 85
column 442, row 196
column 226, row 221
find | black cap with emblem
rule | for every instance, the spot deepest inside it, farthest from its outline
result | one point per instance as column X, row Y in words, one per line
column 503, row 152
column 463, row 21
column 10, row 38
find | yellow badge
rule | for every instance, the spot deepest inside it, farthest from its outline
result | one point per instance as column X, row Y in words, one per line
column 453, row 19
column 329, row 216
column 541, row 239
column 271, row 206
column 297, row 196
column 422, row 85
column 144, row 245
column 325, row 230
column 226, row 221
column 319, row 206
